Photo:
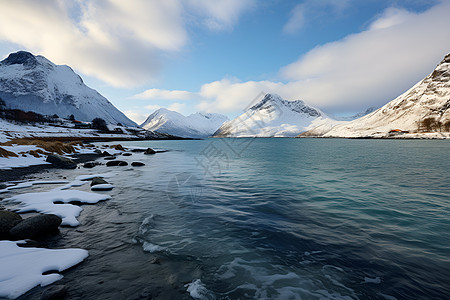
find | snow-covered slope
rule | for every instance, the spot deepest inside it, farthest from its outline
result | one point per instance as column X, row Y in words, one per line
column 33, row 83
column 430, row 98
column 273, row 117
column 198, row 125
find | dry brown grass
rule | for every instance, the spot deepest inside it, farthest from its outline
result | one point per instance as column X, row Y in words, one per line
column 52, row 147
column 6, row 153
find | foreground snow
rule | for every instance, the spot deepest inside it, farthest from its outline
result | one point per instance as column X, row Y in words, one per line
column 22, row 268
column 45, row 203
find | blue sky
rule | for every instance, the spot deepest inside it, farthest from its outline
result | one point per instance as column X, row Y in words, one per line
column 341, row 56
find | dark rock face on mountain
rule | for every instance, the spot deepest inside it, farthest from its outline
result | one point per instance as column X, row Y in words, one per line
column 33, row 83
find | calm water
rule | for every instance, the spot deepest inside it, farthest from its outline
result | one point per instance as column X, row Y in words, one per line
column 272, row 219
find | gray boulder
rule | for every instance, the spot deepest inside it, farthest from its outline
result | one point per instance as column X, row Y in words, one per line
column 36, row 226
column 137, row 164
column 8, row 220
column 150, row 151
column 114, row 163
column 61, row 161
column 89, row 165
column 98, row 180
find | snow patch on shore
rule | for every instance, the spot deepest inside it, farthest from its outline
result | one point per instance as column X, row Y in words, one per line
column 45, row 203
column 23, row 268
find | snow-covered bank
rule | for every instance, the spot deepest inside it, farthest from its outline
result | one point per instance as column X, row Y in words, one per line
column 24, row 268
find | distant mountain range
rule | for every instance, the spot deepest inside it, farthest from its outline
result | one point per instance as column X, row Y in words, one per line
column 198, row 125
column 423, row 108
column 273, row 117
column 33, row 83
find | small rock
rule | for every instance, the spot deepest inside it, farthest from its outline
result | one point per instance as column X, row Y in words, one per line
column 149, row 151
column 117, row 147
column 55, row 292
column 127, row 154
column 61, row 161
column 3, row 186
column 36, row 226
column 155, row 261
column 106, row 153
column 114, row 163
column 98, row 151
column 109, row 158
column 89, row 165
column 137, row 164
column 8, row 220
column 137, row 150
column 98, row 180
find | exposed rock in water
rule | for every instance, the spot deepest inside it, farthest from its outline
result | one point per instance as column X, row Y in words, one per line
column 115, row 163
column 89, row 165
column 149, row 151
column 127, row 154
column 137, row 150
column 109, row 158
column 36, row 226
column 98, row 180
column 137, row 164
column 8, row 220
column 106, row 153
column 60, row 161
column 117, row 147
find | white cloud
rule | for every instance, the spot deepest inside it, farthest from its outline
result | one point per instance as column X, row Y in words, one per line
column 159, row 94
column 373, row 66
column 152, row 108
column 220, row 14
column 303, row 12
column 178, row 107
column 136, row 116
column 123, row 43
column 231, row 95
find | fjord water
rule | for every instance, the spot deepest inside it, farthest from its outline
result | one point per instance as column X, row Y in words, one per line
column 269, row 219
column 302, row 218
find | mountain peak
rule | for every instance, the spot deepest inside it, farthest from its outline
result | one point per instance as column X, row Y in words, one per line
column 20, row 58
column 446, row 59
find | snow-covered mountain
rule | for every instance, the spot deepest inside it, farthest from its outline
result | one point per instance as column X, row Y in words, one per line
column 273, row 117
column 198, row 125
column 428, row 100
column 33, row 83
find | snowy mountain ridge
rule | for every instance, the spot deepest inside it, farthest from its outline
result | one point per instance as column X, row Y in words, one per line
column 197, row 125
column 425, row 108
column 273, row 116
column 33, row 83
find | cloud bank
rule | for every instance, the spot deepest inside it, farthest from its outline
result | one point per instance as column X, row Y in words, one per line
column 123, row 43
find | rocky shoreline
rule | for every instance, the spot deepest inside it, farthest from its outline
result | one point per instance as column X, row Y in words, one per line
column 39, row 228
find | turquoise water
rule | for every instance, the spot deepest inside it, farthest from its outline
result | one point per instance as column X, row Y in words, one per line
column 267, row 219
column 302, row 218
